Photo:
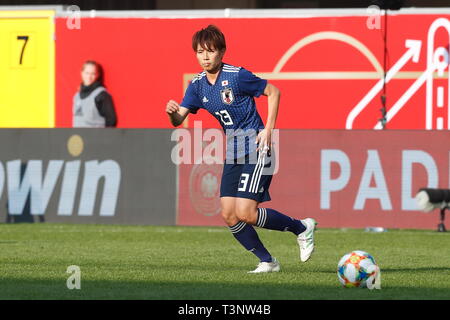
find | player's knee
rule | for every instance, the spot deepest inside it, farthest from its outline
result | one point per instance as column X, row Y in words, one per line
column 246, row 215
column 229, row 217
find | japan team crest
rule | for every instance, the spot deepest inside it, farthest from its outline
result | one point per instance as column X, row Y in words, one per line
column 227, row 96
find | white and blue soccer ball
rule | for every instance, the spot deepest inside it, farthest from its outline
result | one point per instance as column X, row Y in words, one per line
column 356, row 268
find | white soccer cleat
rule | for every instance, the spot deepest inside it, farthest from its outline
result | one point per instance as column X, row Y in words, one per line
column 262, row 267
column 306, row 239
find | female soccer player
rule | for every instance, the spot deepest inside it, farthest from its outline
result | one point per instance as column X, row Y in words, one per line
column 227, row 92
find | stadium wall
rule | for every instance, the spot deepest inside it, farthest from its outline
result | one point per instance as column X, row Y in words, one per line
column 342, row 178
column 87, row 176
column 327, row 63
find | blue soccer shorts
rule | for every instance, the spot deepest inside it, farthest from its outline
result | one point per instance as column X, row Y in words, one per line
column 248, row 177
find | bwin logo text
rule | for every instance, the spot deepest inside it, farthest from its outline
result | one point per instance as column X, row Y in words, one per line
column 27, row 179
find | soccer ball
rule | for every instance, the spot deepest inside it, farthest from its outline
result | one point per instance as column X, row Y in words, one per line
column 355, row 268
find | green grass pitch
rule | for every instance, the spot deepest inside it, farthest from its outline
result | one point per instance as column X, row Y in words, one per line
column 153, row 262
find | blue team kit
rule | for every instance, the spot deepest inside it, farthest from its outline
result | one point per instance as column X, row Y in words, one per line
column 246, row 172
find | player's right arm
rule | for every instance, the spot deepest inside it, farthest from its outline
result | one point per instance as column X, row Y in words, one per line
column 176, row 113
column 190, row 104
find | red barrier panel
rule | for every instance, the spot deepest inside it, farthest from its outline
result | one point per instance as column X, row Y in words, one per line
column 328, row 68
column 341, row 178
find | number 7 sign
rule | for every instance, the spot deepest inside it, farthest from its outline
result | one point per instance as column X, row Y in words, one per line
column 27, row 71
column 23, row 48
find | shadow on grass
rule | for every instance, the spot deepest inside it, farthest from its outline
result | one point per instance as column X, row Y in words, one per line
column 157, row 290
column 424, row 269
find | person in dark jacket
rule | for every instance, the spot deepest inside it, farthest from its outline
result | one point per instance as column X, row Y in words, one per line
column 93, row 106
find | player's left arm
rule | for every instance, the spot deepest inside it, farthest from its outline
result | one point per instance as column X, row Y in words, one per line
column 273, row 100
column 105, row 107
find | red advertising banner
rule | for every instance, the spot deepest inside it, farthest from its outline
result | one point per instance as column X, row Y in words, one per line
column 329, row 69
column 351, row 178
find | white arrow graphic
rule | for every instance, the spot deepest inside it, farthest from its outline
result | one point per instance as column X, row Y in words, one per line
column 413, row 53
column 406, row 96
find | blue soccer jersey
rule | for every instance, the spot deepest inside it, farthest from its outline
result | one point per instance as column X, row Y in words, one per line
column 231, row 101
